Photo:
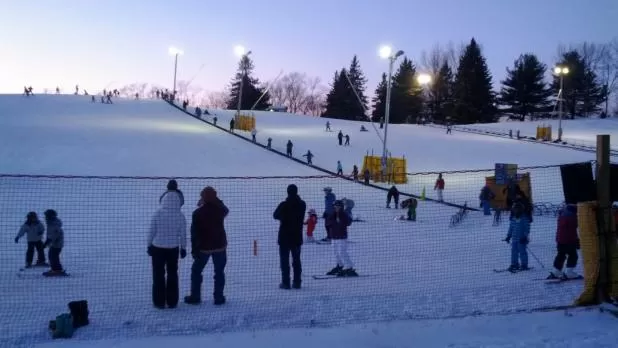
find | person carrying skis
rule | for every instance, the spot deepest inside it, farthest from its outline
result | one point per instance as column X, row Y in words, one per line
column 329, row 199
column 439, row 187
column 167, row 240
column 567, row 242
column 338, row 222
column 393, row 193
column 339, row 168
column 33, row 229
column 312, row 221
column 485, row 197
column 55, row 242
column 518, row 236
column 340, row 137
column 172, row 186
column 309, row 156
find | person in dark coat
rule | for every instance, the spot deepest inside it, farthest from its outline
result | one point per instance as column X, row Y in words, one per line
column 511, row 190
column 340, row 137
column 485, row 197
column 291, row 214
column 288, row 148
column 231, row 125
column 567, row 242
column 172, row 186
column 393, row 193
column 208, row 239
column 337, row 222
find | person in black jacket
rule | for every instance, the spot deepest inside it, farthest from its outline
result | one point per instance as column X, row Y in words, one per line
column 393, row 193
column 290, row 213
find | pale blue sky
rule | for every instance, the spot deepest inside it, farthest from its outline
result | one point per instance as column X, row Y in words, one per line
column 95, row 43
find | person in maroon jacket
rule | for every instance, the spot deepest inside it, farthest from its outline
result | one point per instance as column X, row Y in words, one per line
column 208, row 239
column 568, row 243
column 439, row 187
column 337, row 222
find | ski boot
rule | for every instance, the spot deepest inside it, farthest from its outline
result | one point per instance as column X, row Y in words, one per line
column 335, row 271
column 349, row 272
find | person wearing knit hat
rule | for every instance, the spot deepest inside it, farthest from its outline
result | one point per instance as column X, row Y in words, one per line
column 172, row 186
column 208, row 239
column 291, row 214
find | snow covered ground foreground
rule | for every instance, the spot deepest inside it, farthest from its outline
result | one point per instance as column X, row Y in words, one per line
column 563, row 329
column 412, row 270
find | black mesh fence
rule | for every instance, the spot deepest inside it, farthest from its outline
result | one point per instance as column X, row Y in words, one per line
column 434, row 267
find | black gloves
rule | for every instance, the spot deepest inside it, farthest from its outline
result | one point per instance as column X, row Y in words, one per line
column 150, row 250
column 524, row 240
column 16, row 240
column 183, row 253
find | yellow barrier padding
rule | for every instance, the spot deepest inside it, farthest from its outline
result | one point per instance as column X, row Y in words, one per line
column 499, row 201
column 244, row 122
column 396, row 169
column 589, row 241
column 543, row 133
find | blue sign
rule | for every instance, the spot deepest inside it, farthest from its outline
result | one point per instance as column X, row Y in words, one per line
column 504, row 172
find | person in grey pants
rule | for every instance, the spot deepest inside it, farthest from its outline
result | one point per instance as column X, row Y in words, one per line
column 55, row 241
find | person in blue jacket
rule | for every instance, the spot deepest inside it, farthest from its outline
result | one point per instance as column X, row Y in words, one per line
column 518, row 236
column 329, row 200
column 485, row 197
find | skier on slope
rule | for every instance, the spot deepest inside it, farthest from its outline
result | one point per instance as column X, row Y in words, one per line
column 288, row 148
column 33, row 229
column 329, row 199
column 338, row 222
column 518, row 236
column 355, row 173
column 347, row 140
column 567, row 242
column 340, row 137
column 309, row 156
column 439, row 187
column 253, row 134
column 328, row 126
column 339, row 168
column 393, row 193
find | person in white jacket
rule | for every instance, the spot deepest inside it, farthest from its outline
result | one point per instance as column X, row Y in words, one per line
column 167, row 239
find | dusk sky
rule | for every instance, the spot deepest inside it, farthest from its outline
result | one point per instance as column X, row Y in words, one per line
column 109, row 43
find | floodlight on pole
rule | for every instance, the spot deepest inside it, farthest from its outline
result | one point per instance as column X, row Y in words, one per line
column 423, row 79
column 241, row 52
column 386, row 52
column 561, row 71
column 175, row 52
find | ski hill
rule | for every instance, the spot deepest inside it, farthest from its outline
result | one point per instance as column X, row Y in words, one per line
column 103, row 168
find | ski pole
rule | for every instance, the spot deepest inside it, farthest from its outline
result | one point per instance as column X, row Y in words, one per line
column 536, row 258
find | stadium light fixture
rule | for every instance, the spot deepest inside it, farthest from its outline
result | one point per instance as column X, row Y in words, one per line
column 561, row 71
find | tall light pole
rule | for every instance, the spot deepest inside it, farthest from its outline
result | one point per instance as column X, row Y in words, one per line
column 423, row 80
column 175, row 52
column 561, row 71
column 240, row 51
column 386, row 52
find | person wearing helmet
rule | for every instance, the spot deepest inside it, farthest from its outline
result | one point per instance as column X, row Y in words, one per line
column 329, row 199
column 338, row 222
column 518, row 236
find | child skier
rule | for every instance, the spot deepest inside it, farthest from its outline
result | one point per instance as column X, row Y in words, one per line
column 312, row 220
column 338, row 222
column 33, row 229
column 339, row 168
column 55, row 242
column 519, row 230
column 567, row 242
column 439, row 187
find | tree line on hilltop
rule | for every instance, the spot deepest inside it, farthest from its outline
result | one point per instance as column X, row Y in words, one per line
column 461, row 88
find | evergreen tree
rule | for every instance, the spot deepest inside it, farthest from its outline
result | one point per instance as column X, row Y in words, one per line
column 473, row 95
column 441, row 94
column 406, row 94
column 337, row 99
column 251, row 91
column 583, row 94
column 358, row 82
column 524, row 91
column 379, row 100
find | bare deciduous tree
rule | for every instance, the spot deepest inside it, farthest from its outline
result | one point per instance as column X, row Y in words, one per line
column 299, row 93
column 214, row 100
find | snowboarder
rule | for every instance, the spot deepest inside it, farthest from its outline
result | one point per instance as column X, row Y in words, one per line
column 33, row 229
column 567, row 242
column 519, row 230
column 485, row 197
column 309, row 156
column 366, row 176
column 290, row 214
column 329, row 199
column 328, row 126
column 167, row 240
column 355, row 173
column 55, row 242
column 232, row 125
column 338, row 222
column 340, row 137
column 347, row 140
column 172, row 186
column 339, row 168
column 439, row 187
column 312, row 220
column 253, row 134
column 208, row 239
column 288, row 148
column 269, row 143
column 393, row 193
